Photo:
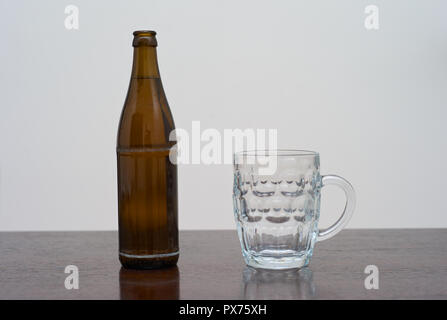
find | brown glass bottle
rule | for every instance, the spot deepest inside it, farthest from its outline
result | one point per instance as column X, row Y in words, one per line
column 147, row 179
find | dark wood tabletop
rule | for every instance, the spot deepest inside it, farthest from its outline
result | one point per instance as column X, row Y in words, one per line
column 412, row 264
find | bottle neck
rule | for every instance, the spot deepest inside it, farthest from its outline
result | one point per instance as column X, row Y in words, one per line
column 145, row 63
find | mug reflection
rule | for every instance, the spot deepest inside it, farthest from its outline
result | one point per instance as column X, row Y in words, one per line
column 278, row 284
column 160, row 284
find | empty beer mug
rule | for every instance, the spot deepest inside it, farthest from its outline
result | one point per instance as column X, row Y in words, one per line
column 276, row 197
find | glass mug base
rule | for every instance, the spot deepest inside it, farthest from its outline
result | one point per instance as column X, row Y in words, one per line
column 277, row 260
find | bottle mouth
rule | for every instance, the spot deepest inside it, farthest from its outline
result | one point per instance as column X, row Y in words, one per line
column 144, row 38
column 144, row 33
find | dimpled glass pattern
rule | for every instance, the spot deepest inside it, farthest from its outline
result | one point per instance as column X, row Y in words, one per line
column 277, row 213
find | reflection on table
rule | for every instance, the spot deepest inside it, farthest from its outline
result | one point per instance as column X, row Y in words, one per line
column 160, row 284
column 277, row 284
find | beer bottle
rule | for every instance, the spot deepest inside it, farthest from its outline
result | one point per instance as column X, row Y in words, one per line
column 147, row 179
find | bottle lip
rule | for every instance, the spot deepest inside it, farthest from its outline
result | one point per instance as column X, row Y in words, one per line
column 144, row 38
column 144, row 33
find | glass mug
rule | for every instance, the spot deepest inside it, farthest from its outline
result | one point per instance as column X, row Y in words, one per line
column 276, row 198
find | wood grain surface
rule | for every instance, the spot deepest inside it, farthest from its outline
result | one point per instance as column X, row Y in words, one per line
column 412, row 265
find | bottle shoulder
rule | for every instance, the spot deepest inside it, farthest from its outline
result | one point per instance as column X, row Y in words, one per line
column 146, row 119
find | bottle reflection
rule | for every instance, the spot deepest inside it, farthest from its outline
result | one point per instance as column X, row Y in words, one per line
column 159, row 284
column 278, row 284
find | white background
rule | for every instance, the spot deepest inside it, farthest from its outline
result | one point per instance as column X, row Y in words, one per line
column 373, row 103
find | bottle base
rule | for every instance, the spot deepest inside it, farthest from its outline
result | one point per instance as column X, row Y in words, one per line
column 156, row 261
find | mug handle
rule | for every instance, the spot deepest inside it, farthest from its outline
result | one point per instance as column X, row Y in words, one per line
column 324, row 234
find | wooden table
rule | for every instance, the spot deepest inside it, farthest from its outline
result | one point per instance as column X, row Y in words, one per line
column 412, row 265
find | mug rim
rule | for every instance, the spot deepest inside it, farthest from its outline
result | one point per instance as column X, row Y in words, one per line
column 276, row 152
